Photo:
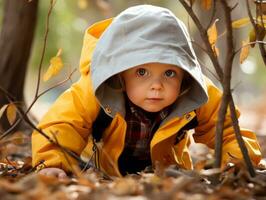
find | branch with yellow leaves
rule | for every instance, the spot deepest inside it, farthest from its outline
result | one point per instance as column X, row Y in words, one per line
column 204, row 36
column 227, row 88
column 209, row 37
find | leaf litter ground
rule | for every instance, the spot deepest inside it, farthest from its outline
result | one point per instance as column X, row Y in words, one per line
column 18, row 180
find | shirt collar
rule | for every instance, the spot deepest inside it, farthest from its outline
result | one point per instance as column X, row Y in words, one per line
column 142, row 114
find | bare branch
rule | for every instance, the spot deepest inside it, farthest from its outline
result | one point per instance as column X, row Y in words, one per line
column 239, row 138
column 7, row 132
column 227, row 96
column 44, row 46
column 47, row 90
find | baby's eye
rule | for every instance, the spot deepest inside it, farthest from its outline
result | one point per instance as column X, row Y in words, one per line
column 142, row 72
column 170, row 73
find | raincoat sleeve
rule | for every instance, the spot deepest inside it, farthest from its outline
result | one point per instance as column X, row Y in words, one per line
column 205, row 132
column 69, row 120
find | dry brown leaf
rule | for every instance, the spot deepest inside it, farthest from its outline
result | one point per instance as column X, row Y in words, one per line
column 125, row 186
column 55, row 67
column 48, row 180
column 244, row 51
column 10, row 187
column 11, row 113
column 200, row 165
column 2, row 110
column 206, row 4
column 85, row 182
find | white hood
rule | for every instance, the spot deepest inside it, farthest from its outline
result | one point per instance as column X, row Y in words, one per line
column 139, row 35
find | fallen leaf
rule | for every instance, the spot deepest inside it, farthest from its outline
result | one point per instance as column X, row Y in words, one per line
column 10, row 187
column 125, row 186
column 200, row 165
column 56, row 65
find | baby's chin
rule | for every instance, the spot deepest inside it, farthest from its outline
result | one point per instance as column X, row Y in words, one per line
column 151, row 109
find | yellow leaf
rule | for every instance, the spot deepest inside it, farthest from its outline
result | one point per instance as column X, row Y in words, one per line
column 244, row 51
column 82, row 4
column 245, row 21
column 2, row 110
column 206, row 4
column 240, row 22
column 263, row 17
column 212, row 34
column 252, row 37
column 56, row 65
column 11, row 113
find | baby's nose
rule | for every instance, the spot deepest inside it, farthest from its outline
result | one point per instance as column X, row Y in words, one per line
column 156, row 84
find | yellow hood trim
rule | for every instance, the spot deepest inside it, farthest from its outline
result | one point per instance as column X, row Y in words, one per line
column 91, row 37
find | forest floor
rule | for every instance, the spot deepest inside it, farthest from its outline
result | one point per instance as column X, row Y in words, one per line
column 19, row 181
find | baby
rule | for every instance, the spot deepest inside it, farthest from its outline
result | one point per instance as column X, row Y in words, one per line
column 142, row 85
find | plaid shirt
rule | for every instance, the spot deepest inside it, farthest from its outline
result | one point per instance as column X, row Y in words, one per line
column 141, row 126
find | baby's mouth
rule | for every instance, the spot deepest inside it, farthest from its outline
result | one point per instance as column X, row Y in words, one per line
column 154, row 99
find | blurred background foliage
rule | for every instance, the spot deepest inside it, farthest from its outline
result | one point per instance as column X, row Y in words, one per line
column 70, row 19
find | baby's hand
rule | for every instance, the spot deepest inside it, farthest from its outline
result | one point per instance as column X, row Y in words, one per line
column 56, row 172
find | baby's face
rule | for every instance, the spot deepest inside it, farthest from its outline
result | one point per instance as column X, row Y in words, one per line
column 153, row 86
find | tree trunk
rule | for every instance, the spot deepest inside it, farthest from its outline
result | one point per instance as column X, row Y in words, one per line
column 16, row 38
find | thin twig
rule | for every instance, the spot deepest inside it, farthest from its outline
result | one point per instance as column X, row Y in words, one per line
column 7, row 132
column 227, row 91
column 239, row 138
column 259, row 42
column 213, row 14
column 44, row 46
column 225, row 84
column 47, row 90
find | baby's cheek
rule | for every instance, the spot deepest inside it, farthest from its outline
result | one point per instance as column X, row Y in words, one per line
column 137, row 97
